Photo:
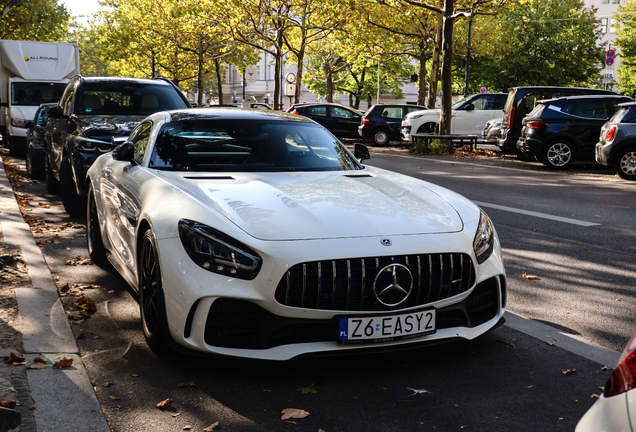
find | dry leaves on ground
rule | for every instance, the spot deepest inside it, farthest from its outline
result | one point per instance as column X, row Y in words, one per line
column 211, row 427
column 13, row 358
column 532, row 277
column 293, row 413
column 86, row 303
column 568, row 371
column 62, row 363
column 189, row 384
column 79, row 260
column 7, row 403
column 165, row 404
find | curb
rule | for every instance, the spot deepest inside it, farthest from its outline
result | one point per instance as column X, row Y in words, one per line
column 63, row 399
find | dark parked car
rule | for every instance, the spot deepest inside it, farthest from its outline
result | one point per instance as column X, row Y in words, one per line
column 382, row 123
column 617, row 145
column 95, row 114
column 35, row 141
column 340, row 120
column 522, row 100
column 558, row 131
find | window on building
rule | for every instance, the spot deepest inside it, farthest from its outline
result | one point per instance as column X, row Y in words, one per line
column 604, row 22
column 605, row 1
column 258, row 73
column 616, row 1
column 612, row 26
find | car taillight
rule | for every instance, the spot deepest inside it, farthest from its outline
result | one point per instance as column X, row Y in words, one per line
column 624, row 376
column 294, row 112
column 365, row 121
column 611, row 133
column 535, row 124
column 511, row 117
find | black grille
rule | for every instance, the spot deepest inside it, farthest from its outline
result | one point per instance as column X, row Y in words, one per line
column 347, row 284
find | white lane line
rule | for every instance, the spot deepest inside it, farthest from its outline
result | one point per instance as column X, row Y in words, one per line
column 537, row 214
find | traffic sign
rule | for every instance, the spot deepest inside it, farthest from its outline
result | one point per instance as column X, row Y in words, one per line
column 610, row 53
column 609, row 61
column 482, row 90
column 250, row 74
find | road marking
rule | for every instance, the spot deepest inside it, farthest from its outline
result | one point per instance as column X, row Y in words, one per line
column 537, row 214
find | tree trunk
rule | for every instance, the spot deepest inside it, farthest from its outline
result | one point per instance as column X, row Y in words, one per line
column 219, row 80
column 447, row 65
column 327, row 68
column 277, row 64
column 299, row 74
column 437, row 48
column 200, row 76
column 421, row 89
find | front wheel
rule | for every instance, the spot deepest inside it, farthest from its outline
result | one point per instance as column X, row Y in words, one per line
column 151, row 299
column 381, row 137
column 625, row 163
column 558, row 155
column 73, row 204
column 94, row 243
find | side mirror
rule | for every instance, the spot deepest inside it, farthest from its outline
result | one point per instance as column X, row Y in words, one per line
column 361, row 152
column 124, row 152
column 56, row 112
column 469, row 107
column 29, row 124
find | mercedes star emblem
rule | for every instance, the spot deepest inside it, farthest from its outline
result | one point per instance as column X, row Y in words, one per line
column 386, row 242
column 393, row 284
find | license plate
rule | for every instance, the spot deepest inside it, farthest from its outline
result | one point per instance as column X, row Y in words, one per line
column 387, row 327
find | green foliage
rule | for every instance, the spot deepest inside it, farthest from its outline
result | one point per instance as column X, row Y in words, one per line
column 36, row 20
column 538, row 42
column 626, row 42
column 91, row 61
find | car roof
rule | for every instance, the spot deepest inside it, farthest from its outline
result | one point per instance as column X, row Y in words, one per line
column 627, row 104
column 583, row 97
column 160, row 81
column 227, row 113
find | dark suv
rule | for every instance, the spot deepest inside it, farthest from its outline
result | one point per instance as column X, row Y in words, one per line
column 382, row 123
column 617, row 145
column 522, row 100
column 95, row 114
column 558, row 131
column 338, row 119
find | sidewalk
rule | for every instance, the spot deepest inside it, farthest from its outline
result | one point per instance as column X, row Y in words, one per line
column 49, row 399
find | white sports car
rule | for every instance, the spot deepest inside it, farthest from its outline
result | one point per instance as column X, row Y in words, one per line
column 257, row 234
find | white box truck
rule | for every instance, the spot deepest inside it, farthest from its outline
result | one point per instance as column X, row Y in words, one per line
column 31, row 73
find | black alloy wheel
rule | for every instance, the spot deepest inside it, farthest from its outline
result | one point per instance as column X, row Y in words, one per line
column 625, row 163
column 94, row 243
column 558, row 155
column 73, row 203
column 151, row 300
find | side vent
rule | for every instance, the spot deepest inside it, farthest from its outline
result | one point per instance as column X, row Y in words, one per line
column 188, row 325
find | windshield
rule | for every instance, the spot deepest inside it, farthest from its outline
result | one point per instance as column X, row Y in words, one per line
column 457, row 105
column 127, row 98
column 248, row 145
column 35, row 93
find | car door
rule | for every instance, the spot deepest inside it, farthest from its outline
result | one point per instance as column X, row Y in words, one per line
column 474, row 114
column 344, row 122
column 585, row 122
column 392, row 117
column 317, row 113
column 121, row 182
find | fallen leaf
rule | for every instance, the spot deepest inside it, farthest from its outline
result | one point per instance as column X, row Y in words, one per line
column 97, row 337
column 560, row 418
column 165, row 404
column 568, row 371
column 605, row 368
column 594, row 396
column 175, row 415
column 39, row 360
column 7, row 403
column 135, row 375
column 13, row 358
column 94, row 382
column 107, row 384
column 505, row 342
column 37, row 366
column 64, row 362
column 292, row 422
column 189, row 384
column 307, row 390
column 114, row 398
column 527, row 276
column 211, row 427
column 82, row 336
column 293, row 413
column 187, row 427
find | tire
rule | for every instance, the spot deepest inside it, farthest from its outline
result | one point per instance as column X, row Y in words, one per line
column 94, row 243
column 381, row 137
column 73, row 204
column 152, row 306
column 52, row 185
column 29, row 167
column 13, row 151
column 625, row 163
column 428, row 128
column 558, row 155
column 523, row 157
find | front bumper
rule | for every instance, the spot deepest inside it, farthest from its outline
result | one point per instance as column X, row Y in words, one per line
column 405, row 131
column 214, row 314
column 81, row 162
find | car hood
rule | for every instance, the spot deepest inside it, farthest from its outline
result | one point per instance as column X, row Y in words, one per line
column 23, row 112
column 321, row 205
column 105, row 127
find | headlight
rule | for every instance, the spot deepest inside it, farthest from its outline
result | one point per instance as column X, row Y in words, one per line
column 416, row 116
column 18, row 122
column 92, row 145
column 484, row 239
column 217, row 252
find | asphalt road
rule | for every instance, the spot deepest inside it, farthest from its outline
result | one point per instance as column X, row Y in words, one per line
column 505, row 380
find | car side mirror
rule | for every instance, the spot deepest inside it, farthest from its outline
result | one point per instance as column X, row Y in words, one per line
column 29, row 124
column 56, row 112
column 361, row 152
column 124, row 152
column 469, row 107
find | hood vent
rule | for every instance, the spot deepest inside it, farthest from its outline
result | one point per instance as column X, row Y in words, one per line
column 209, row 178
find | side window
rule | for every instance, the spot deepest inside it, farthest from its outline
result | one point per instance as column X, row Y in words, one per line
column 392, row 112
column 67, row 98
column 567, row 108
column 42, row 117
column 594, row 109
column 615, row 103
column 316, row 111
column 484, row 102
column 499, row 102
column 140, row 137
column 630, row 115
column 341, row 112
